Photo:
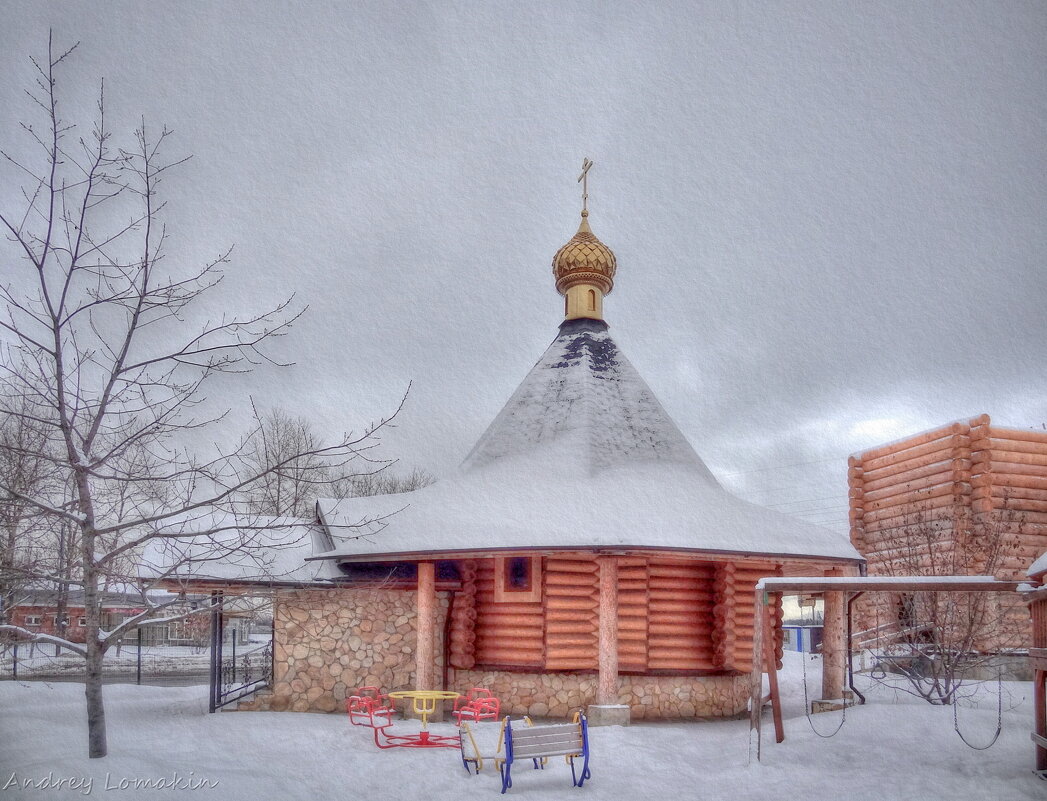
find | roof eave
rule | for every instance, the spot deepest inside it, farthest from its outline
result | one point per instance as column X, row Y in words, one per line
column 211, row 584
column 605, row 550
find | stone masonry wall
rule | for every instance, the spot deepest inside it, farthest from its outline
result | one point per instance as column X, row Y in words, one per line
column 559, row 695
column 326, row 643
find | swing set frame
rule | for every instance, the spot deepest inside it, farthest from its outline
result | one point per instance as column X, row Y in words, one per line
column 851, row 587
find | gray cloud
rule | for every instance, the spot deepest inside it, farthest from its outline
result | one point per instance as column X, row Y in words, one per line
column 823, row 217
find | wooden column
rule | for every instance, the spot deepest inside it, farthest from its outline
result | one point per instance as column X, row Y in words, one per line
column 834, row 644
column 425, row 662
column 607, row 686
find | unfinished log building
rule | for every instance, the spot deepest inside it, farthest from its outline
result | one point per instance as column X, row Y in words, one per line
column 969, row 498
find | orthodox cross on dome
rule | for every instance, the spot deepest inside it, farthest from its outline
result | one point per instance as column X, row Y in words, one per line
column 584, row 268
column 584, row 180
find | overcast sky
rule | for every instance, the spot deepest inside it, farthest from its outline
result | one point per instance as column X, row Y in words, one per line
column 829, row 217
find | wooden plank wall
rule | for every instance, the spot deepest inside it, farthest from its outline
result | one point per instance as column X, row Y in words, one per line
column 1038, row 610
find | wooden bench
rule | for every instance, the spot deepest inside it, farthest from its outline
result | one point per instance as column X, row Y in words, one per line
column 538, row 743
column 478, row 744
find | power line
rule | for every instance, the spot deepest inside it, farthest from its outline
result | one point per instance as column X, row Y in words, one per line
column 805, row 500
column 792, row 464
column 814, row 485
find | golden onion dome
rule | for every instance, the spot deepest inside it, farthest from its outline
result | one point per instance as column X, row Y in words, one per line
column 584, row 260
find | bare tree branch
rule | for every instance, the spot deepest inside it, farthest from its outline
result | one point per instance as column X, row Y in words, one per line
column 105, row 361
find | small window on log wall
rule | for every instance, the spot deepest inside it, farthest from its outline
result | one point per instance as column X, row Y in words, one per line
column 517, row 579
column 517, row 574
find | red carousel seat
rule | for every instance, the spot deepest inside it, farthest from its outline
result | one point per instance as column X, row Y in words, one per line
column 477, row 704
column 368, row 704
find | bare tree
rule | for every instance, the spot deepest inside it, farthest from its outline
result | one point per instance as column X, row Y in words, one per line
column 26, row 544
column 938, row 641
column 382, row 482
column 100, row 353
column 284, row 492
column 291, row 490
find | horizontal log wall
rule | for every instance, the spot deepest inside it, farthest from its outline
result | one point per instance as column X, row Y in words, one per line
column 674, row 615
column 969, row 498
column 680, row 615
column 632, row 615
column 506, row 633
column 571, row 597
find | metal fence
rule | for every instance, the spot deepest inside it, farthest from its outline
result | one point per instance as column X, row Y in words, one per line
column 241, row 675
column 128, row 663
column 232, row 668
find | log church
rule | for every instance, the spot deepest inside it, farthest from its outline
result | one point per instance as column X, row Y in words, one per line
column 582, row 557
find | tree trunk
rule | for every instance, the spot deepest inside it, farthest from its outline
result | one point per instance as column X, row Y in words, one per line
column 62, row 597
column 96, row 743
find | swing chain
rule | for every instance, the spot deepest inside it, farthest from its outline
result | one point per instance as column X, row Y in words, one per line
column 999, row 715
column 807, row 705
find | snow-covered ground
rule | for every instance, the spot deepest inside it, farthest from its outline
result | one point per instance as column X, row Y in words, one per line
column 895, row 747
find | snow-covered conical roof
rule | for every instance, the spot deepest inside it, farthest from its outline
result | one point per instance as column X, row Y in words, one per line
column 584, row 393
column 583, row 456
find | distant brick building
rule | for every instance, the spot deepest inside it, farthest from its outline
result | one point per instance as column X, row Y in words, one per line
column 37, row 611
column 968, row 498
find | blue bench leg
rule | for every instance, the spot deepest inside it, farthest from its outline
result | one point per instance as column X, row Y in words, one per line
column 578, row 782
column 507, row 780
column 461, row 750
